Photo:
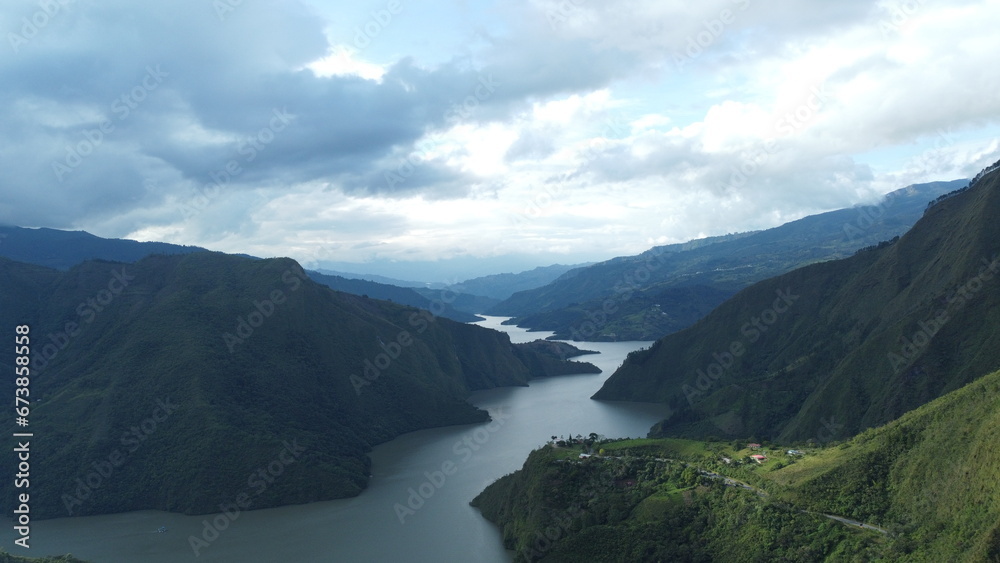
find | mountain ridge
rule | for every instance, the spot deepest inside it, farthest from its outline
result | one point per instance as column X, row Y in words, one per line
column 636, row 298
column 181, row 375
column 759, row 366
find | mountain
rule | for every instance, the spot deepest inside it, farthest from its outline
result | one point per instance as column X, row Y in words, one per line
column 64, row 249
column 380, row 279
column 923, row 488
column 637, row 297
column 932, row 477
column 185, row 382
column 396, row 294
column 462, row 302
column 8, row 558
column 502, row 286
column 838, row 346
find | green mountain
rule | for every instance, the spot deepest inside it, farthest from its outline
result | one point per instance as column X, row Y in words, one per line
column 8, row 558
column 502, row 286
column 185, row 382
column 667, row 288
column 836, row 347
column 925, row 486
column 932, row 478
column 402, row 295
column 461, row 302
column 62, row 250
column 635, row 504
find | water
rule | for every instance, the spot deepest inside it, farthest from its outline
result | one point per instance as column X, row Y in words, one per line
column 417, row 505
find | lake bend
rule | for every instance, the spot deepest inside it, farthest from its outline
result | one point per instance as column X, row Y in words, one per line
column 416, row 507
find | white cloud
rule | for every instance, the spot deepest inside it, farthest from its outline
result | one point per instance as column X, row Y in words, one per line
column 604, row 126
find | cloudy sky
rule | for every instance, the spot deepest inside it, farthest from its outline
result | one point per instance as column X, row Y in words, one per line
column 480, row 136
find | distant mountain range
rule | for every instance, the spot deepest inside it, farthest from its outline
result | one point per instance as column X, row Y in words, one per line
column 64, row 249
column 381, row 279
column 474, row 295
column 502, row 286
column 841, row 345
column 427, row 299
column 668, row 288
column 167, row 383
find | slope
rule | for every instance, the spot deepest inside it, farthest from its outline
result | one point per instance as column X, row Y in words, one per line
column 833, row 348
column 927, row 487
column 64, row 249
column 930, row 477
column 401, row 295
column 631, row 297
column 502, row 286
column 172, row 382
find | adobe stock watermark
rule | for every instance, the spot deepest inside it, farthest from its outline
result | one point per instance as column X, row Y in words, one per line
column 751, row 163
column 365, row 34
column 262, row 310
column 869, row 215
column 249, row 148
column 804, row 113
column 830, row 430
column 750, row 332
column 787, row 124
column 86, row 311
column 898, row 15
column 31, row 26
column 544, row 541
column 257, row 482
column 122, row 107
column 614, row 128
column 464, row 450
column 373, row 368
column 562, row 12
column 955, row 300
column 483, row 91
column 224, row 8
column 714, row 28
column 131, row 440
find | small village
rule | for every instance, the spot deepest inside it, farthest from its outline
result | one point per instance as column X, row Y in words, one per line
column 753, row 452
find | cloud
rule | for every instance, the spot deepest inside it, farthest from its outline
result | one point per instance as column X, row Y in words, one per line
column 577, row 127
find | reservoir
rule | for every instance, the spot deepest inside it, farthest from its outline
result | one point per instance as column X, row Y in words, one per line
column 416, row 507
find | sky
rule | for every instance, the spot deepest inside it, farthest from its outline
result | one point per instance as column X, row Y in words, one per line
column 442, row 140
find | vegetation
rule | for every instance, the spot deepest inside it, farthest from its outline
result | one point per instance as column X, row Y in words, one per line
column 171, row 383
column 831, row 349
column 401, row 295
column 641, row 507
column 647, row 314
column 62, row 250
column 929, row 479
column 8, row 558
column 502, row 286
column 710, row 270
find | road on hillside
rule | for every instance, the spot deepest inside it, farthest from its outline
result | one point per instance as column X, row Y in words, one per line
column 730, row 482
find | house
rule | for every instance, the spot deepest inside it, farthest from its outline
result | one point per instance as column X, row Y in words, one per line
column 726, row 460
column 796, row 452
column 759, row 458
column 753, row 446
column 584, row 456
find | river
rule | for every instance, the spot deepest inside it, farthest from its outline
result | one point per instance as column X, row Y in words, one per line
column 417, row 505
